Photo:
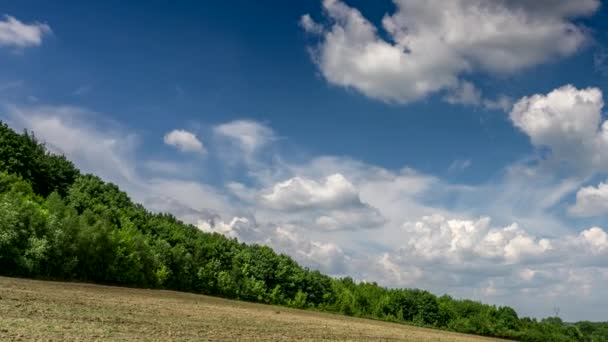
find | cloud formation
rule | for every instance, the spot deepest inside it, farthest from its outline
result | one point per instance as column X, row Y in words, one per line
column 426, row 53
column 16, row 34
column 331, row 204
column 184, row 141
column 302, row 193
column 458, row 241
column 591, row 201
column 568, row 121
column 248, row 135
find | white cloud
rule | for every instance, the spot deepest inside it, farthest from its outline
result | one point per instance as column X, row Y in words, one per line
column 560, row 8
column 456, row 241
column 14, row 33
column 433, row 43
column 302, row 193
column 591, row 201
column 333, row 204
column 184, row 141
column 310, row 25
column 568, row 122
column 596, row 238
column 247, row 134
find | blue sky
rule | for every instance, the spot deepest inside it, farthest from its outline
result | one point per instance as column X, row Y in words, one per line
column 461, row 153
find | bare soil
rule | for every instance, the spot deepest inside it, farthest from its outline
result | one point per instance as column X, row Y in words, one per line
column 32, row 310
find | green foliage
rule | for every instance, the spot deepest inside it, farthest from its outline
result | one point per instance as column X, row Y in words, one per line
column 56, row 223
column 23, row 155
column 299, row 301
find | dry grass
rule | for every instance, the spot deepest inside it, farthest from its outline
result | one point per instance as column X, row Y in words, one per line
column 54, row 311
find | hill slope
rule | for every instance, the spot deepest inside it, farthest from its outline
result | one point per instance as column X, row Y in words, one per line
column 56, row 223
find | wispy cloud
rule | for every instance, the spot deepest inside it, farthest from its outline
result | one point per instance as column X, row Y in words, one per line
column 459, row 165
column 600, row 61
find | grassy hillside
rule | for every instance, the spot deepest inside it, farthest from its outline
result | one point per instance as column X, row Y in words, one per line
column 42, row 310
column 56, row 223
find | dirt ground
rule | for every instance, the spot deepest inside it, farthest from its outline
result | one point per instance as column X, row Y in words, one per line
column 33, row 310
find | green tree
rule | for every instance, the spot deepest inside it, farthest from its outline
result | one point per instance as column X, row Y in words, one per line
column 23, row 155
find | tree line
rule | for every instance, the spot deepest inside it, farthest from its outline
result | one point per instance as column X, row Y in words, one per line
column 57, row 223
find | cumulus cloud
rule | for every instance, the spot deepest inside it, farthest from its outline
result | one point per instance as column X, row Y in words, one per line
column 184, row 141
column 331, row 204
column 568, row 121
column 472, row 258
column 431, row 44
column 595, row 238
column 456, row 241
column 14, row 33
column 591, row 201
column 302, row 193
